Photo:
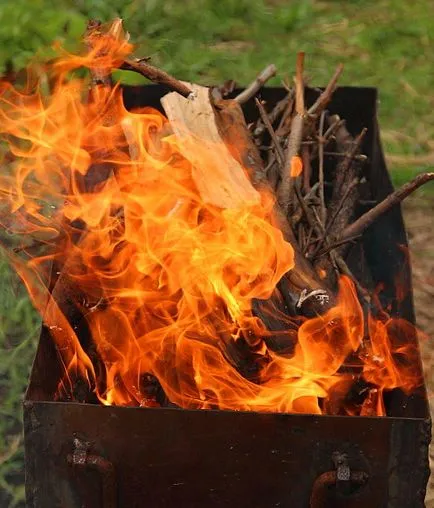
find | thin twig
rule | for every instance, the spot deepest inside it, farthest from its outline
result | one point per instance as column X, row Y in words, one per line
column 343, row 268
column 284, row 126
column 308, row 240
column 321, row 169
column 256, row 85
column 301, row 235
column 317, row 218
column 299, row 85
column 350, row 155
column 285, row 190
column 322, row 101
column 312, row 193
column 267, row 123
column 334, row 126
column 307, row 168
column 274, row 114
column 334, row 245
column 331, row 221
column 311, row 216
column 345, row 172
column 360, row 157
column 350, row 187
column 157, row 75
column 363, row 222
column 328, row 135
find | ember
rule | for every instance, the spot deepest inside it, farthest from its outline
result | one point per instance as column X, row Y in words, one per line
column 206, row 256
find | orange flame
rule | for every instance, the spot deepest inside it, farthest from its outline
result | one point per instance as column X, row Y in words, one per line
column 296, row 166
column 164, row 280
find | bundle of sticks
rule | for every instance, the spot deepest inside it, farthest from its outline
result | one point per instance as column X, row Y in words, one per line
column 305, row 156
column 286, row 151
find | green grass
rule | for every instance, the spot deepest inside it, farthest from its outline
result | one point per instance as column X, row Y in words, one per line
column 19, row 327
column 384, row 43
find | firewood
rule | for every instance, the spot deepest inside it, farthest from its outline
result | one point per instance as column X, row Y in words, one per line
column 222, row 181
column 302, row 278
column 232, row 126
column 281, row 336
column 100, row 76
column 318, row 107
column 363, row 222
column 226, row 88
column 158, row 76
column 284, row 192
column 267, row 122
column 307, row 167
column 274, row 115
column 100, row 92
column 219, row 178
column 95, row 29
column 321, row 142
column 370, row 404
column 259, row 82
column 343, row 202
column 313, row 297
column 347, row 170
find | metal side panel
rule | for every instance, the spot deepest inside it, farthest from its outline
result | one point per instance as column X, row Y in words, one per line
column 161, row 458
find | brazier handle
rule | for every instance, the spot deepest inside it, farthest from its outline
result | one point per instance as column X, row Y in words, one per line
column 80, row 458
column 320, row 486
column 342, row 478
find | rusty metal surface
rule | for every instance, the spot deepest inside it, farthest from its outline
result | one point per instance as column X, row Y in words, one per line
column 174, row 458
column 83, row 461
column 325, row 488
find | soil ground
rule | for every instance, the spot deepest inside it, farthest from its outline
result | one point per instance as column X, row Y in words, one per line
column 419, row 219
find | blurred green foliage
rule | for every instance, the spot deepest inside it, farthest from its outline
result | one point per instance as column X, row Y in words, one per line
column 19, row 326
column 382, row 43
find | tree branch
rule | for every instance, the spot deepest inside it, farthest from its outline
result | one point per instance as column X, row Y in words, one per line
column 322, row 101
column 158, row 76
column 363, row 222
column 285, row 190
column 256, row 85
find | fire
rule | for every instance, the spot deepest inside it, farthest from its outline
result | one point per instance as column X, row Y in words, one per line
column 165, row 281
column 296, row 166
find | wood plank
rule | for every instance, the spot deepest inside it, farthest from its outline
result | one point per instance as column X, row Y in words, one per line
column 220, row 179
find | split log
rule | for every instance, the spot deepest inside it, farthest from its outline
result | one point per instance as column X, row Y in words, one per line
column 234, row 132
column 219, row 178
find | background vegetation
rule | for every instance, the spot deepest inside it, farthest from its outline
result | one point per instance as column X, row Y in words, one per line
column 383, row 43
